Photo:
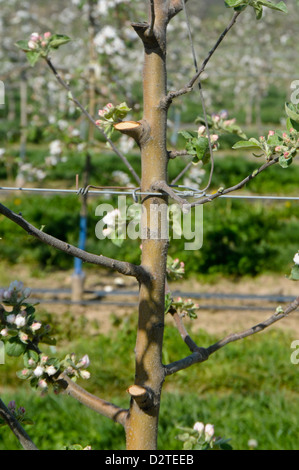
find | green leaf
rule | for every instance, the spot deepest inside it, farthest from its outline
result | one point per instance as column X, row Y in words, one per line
column 285, row 162
column 168, row 302
column 58, row 40
column 295, row 273
column 258, row 11
column 274, row 140
column 292, row 124
column 234, row 3
column 247, row 144
column 187, row 135
column 32, row 57
column 281, row 6
column 291, row 111
column 30, row 354
column 15, row 347
column 23, row 45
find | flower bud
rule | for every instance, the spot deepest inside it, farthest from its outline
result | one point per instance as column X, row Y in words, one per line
column 32, row 45
column 20, row 320
column 47, row 35
column 51, row 370
column 85, row 374
column 36, row 326
column 209, row 432
column 38, row 371
column 199, row 427
column 42, row 384
column 296, row 258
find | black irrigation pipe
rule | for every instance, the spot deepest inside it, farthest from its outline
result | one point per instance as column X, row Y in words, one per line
column 194, row 295
column 99, row 295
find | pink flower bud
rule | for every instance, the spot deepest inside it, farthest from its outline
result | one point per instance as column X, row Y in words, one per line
column 278, row 149
column 286, row 154
column 109, row 105
column 42, row 383
column 214, row 138
column 34, row 37
column 11, row 405
column 32, row 45
column 201, row 130
column 47, row 35
column 271, row 133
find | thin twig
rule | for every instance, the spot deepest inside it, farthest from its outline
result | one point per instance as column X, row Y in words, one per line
column 183, row 332
column 122, row 267
column 90, row 118
column 187, row 88
column 179, row 176
column 202, row 354
column 16, row 428
column 237, row 186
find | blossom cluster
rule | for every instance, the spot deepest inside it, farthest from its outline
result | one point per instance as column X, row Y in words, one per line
column 285, row 144
column 185, row 307
column 21, row 334
column 180, row 306
column 202, row 132
column 175, row 268
column 37, row 40
column 110, row 114
column 202, row 437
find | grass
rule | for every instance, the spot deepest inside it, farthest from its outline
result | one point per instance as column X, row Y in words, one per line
column 247, row 390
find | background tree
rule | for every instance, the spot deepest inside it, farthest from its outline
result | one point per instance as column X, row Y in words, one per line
column 140, row 421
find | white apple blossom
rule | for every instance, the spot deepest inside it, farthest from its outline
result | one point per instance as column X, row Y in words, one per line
column 20, row 320
column 199, row 427
column 38, row 371
column 85, row 374
column 209, row 431
column 296, row 258
column 51, row 370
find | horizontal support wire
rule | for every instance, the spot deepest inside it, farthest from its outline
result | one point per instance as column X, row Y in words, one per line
column 188, row 192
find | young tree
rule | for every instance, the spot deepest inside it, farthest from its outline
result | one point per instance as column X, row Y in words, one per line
column 140, row 420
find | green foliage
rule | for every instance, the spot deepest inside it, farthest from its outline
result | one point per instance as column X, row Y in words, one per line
column 247, row 390
column 40, row 46
column 257, row 5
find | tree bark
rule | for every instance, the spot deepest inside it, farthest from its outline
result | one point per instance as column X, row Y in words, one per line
column 142, row 422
